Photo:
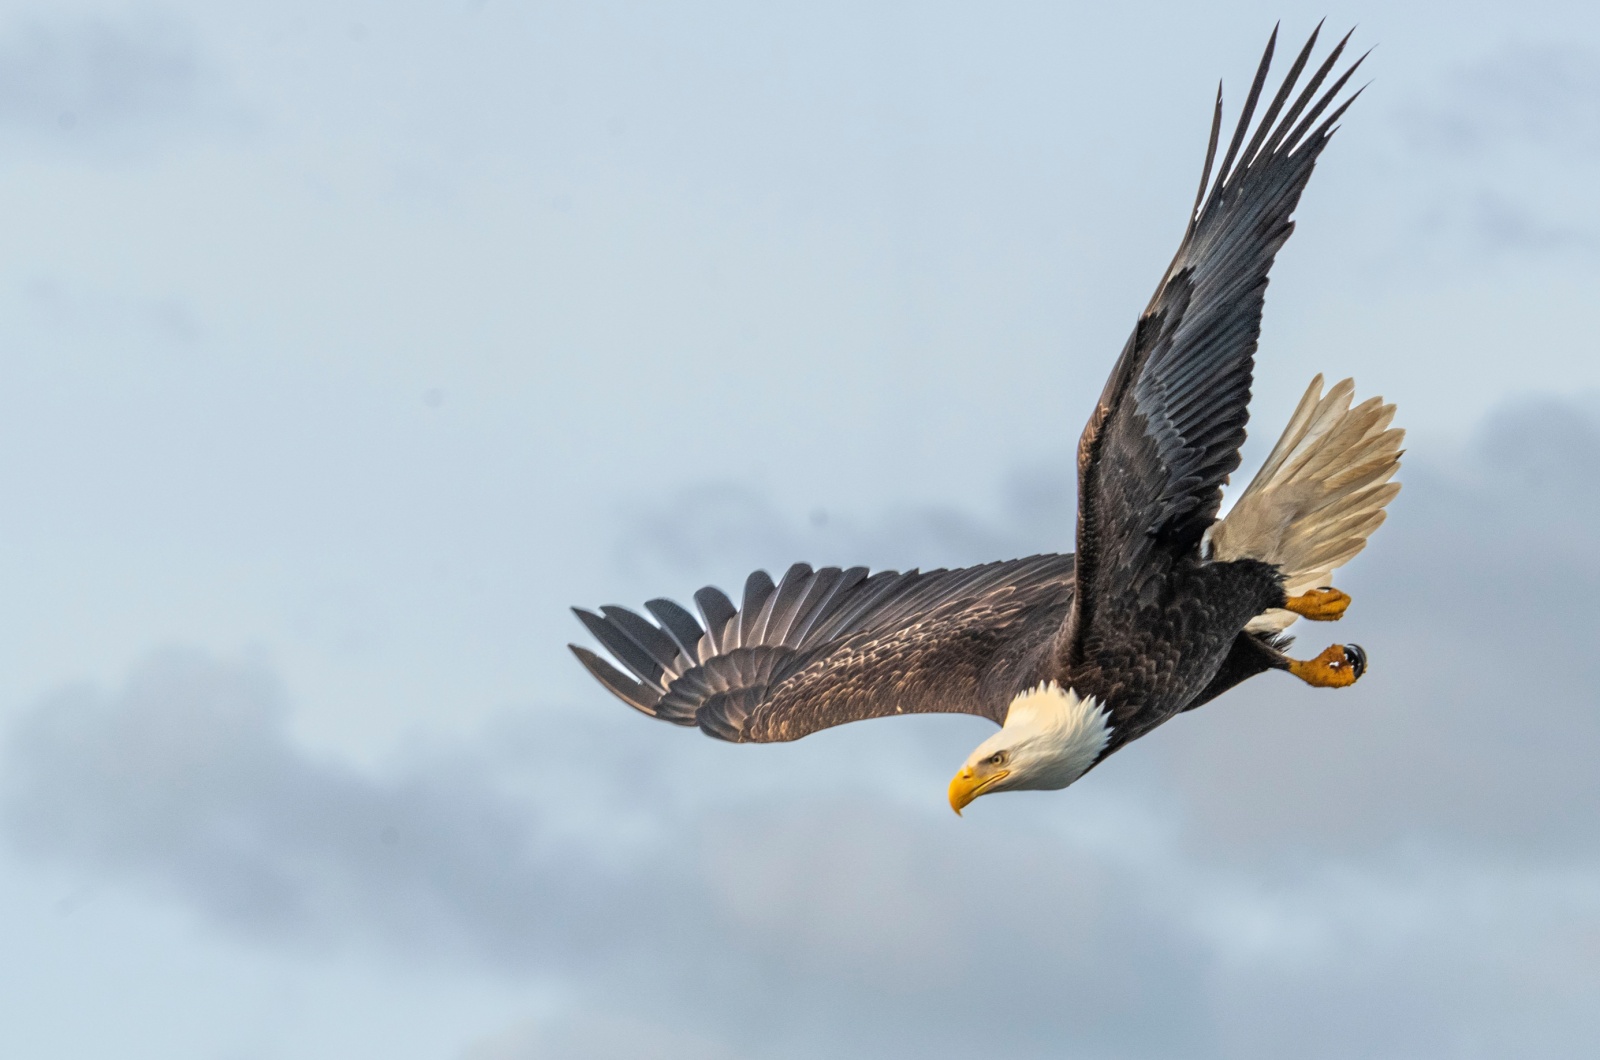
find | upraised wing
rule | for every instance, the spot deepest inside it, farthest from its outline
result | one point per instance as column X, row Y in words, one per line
column 825, row 647
column 1166, row 432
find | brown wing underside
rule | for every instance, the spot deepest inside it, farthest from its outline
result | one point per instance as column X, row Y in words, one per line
column 826, row 647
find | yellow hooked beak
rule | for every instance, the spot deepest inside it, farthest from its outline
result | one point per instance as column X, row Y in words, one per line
column 967, row 785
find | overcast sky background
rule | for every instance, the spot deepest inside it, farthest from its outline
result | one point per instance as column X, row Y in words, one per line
column 344, row 345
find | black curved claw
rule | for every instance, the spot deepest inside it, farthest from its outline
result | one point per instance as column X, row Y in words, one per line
column 1356, row 656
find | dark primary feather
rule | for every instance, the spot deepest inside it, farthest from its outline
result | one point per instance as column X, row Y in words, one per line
column 825, row 647
column 678, row 623
column 1166, row 432
column 717, row 611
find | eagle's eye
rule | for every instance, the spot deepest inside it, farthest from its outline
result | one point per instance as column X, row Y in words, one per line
column 998, row 758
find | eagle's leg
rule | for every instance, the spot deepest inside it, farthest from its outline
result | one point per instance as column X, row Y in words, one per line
column 1336, row 667
column 1319, row 605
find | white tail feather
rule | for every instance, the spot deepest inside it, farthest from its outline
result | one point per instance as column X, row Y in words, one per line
column 1318, row 497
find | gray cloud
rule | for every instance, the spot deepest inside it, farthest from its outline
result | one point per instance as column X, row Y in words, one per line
column 1504, row 226
column 726, row 919
column 716, row 527
column 186, row 780
column 1408, row 868
column 1500, row 145
column 598, row 1036
column 1546, row 96
column 104, row 86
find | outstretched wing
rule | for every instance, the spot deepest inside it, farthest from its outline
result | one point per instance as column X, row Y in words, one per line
column 1166, row 432
column 825, row 647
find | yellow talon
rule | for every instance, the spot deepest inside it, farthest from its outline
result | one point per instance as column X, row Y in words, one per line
column 1338, row 667
column 1319, row 605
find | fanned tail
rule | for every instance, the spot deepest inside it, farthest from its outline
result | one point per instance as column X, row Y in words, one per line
column 1319, row 496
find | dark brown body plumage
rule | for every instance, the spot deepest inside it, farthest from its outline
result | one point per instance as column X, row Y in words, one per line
column 1155, row 661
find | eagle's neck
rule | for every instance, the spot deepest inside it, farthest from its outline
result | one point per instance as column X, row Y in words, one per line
column 1063, row 732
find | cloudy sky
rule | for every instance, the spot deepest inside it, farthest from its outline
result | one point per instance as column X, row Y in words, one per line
column 346, row 344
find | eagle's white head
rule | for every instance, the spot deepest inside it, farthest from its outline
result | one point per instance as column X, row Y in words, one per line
column 1051, row 737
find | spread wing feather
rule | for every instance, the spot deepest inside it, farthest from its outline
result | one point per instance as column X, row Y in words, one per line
column 824, row 647
column 1166, row 433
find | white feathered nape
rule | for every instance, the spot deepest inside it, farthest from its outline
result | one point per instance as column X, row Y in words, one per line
column 1054, row 735
column 1318, row 497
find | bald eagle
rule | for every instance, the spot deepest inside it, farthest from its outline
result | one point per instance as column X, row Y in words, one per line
column 1163, row 607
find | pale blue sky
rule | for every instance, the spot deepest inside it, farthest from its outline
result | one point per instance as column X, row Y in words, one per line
column 346, row 345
